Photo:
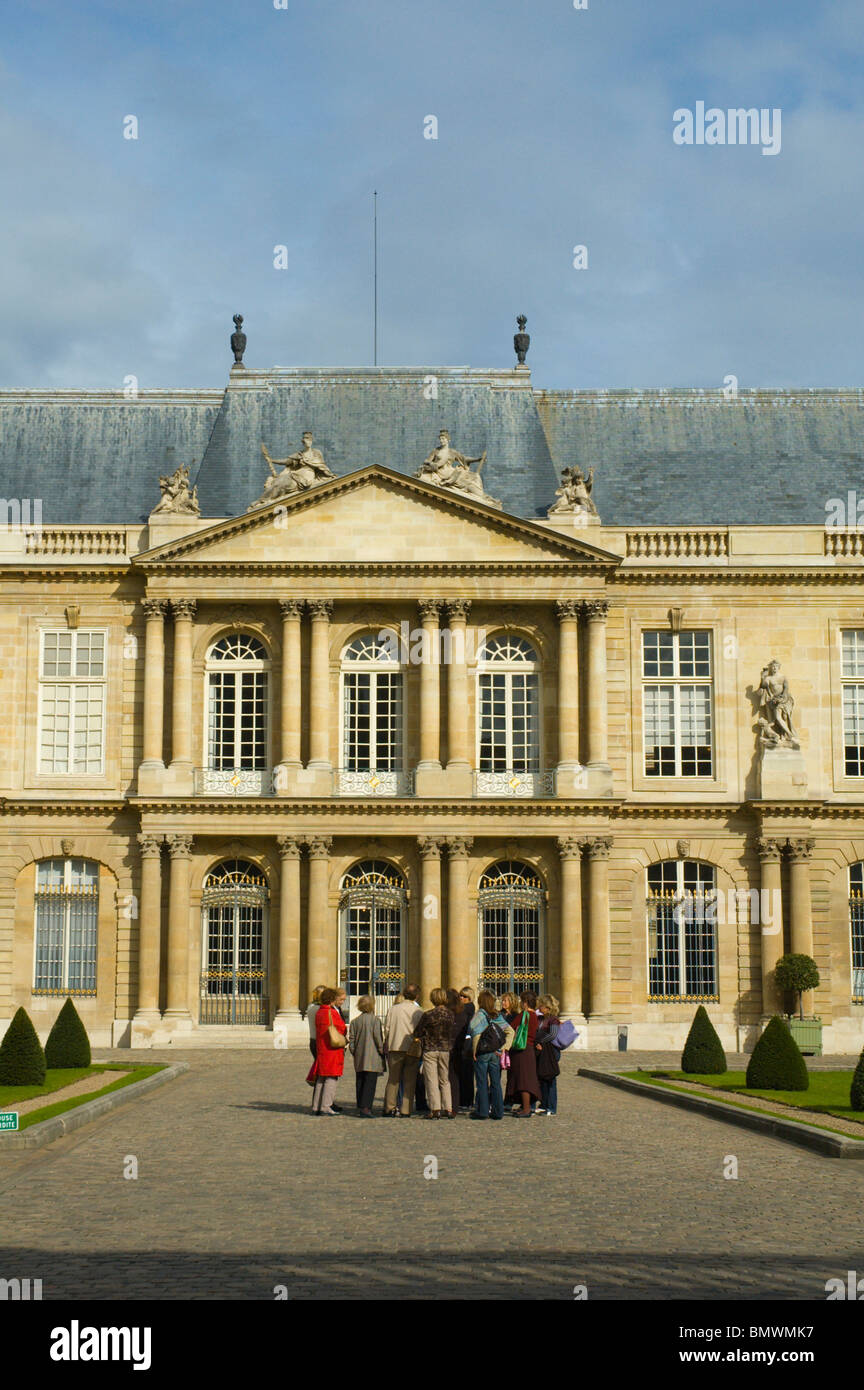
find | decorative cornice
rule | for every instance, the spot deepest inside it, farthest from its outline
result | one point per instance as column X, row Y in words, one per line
column 9, row 808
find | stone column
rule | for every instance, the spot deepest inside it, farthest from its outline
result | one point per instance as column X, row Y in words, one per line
column 321, row 957
column 319, row 690
column 180, row 850
column 771, row 920
column 460, row 951
column 430, row 693
column 599, row 772
column 570, row 926
column 288, row 1009
column 570, row 779
column 149, row 930
column 460, row 760
column 431, row 975
column 289, row 750
column 800, row 905
column 599, row 946
column 184, row 610
column 154, row 682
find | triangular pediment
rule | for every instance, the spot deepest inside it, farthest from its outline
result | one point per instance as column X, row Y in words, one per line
column 376, row 516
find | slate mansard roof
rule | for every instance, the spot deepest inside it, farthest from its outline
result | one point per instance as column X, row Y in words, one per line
column 683, row 457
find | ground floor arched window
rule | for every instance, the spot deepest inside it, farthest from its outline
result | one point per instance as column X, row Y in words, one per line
column 66, row 928
column 511, row 910
column 372, row 911
column 682, row 931
column 856, row 927
column 234, row 975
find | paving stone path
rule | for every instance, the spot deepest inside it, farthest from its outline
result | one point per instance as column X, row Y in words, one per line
column 239, row 1191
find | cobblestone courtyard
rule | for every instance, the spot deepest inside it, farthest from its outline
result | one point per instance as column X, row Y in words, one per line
column 239, row 1190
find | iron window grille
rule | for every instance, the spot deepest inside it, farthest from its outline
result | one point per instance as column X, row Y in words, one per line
column 372, row 907
column 856, row 927
column 682, row 932
column 66, row 930
column 511, row 911
column 234, row 985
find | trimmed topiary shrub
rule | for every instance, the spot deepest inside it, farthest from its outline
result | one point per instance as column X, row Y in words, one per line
column 797, row 973
column 703, row 1050
column 22, row 1061
column 856, row 1095
column 68, row 1044
column 776, row 1063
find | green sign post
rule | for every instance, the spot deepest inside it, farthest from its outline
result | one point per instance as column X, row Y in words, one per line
column 8, row 1119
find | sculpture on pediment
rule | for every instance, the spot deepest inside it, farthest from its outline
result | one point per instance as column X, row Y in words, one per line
column 177, row 497
column 574, row 494
column 446, row 467
column 299, row 472
column 775, row 706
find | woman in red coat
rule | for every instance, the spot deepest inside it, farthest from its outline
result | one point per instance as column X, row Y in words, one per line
column 329, row 1061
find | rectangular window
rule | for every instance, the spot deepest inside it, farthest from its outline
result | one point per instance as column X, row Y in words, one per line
column 852, row 677
column 677, row 704
column 72, row 702
column 682, row 937
column 856, row 924
column 67, row 915
column 372, row 721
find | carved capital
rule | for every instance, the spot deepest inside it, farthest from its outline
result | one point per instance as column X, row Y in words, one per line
column 596, row 610
column 429, row 609
column 320, row 607
column 289, row 846
column 184, row 608
column 458, row 609
column 800, row 848
column 599, row 848
column 769, row 851
column 568, row 608
column 570, row 846
column 459, row 846
column 179, row 846
column 319, row 846
column 150, row 845
column 291, row 608
column 155, row 609
column 430, row 846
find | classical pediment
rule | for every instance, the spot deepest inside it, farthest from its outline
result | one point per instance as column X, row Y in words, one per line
column 374, row 516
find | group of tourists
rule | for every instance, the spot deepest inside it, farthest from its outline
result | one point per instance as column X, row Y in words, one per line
column 448, row 1060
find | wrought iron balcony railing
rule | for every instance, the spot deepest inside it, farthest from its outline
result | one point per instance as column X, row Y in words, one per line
column 512, row 783
column 372, row 782
column 234, row 781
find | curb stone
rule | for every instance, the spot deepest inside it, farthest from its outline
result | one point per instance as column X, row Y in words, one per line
column 820, row 1141
column 35, row 1136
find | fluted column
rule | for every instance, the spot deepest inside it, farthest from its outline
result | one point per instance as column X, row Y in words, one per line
column 800, row 905
column 599, row 946
column 431, row 975
column 180, row 850
column 597, row 753
column 459, row 747
column 569, row 767
column 289, row 929
column 319, row 686
column 154, row 680
column 430, row 687
column 570, row 919
column 771, row 920
column 289, row 751
column 149, row 928
column 321, row 952
column 184, row 610
column 459, row 929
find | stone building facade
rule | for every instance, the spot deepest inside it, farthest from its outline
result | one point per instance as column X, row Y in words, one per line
column 380, row 728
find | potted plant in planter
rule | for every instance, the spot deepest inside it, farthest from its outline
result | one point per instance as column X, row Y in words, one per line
column 797, row 974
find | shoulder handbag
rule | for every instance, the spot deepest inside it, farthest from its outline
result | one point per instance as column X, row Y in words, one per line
column 415, row 1048
column 335, row 1038
column 520, row 1042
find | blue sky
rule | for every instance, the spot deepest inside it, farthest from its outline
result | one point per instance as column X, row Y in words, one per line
column 261, row 127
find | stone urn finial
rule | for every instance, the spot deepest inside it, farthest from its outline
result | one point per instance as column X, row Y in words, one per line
column 238, row 340
column 521, row 340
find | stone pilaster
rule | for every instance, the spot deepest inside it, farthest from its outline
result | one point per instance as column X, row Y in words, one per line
column 771, row 919
column 177, row 1010
column 599, row 773
column 321, row 944
column 288, row 1020
column 152, row 768
column 182, row 697
column 320, row 763
column 800, row 904
column 570, row 927
column 430, row 780
column 291, row 713
column 459, row 760
column 431, row 975
column 461, row 933
column 147, row 1014
column 571, row 777
column 599, row 945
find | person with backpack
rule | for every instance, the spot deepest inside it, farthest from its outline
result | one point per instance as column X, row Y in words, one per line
column 491, row 1034
column 523, row 1083
column 545, row 1045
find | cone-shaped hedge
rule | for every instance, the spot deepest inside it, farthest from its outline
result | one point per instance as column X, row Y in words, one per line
column 856, row 1095
column 703, row 1050
column 22, row 1061
column 776, row 1063
column 68, row 1044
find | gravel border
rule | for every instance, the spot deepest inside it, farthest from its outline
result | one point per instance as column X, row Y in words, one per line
column 830, row 1145
column 35, row 1136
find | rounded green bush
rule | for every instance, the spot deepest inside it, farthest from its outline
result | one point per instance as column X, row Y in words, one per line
column 776, row 1063
column 22, row 1061
column 703, row 1051
column 856, row 1095
column 68, row 1044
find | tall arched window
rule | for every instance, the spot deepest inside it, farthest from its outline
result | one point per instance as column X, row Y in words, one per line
column 372, row 758
column 511, row 902
column 682, row 931
column 508, row 717
column 67, row 922
column 856, row 928
column 373, row 904
column 237, row 715
column 234, row 983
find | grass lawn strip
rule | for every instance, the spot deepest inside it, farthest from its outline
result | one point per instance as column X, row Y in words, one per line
column 47, row 1112
column 55, row 1080
column 828, row 1093
column 797, row 1117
